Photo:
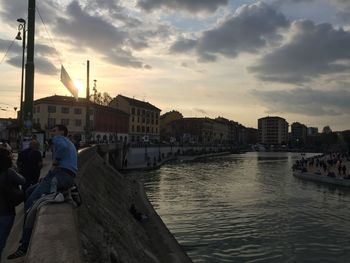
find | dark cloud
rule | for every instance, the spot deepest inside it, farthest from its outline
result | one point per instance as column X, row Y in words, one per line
column 312, row 50
column 94, row 32
column 192, row 6
column 11, row 10
column 10, row 46
column 183, row 45
column 42, row 65
column 251, row 28
column 305, row 101
column 113, row 10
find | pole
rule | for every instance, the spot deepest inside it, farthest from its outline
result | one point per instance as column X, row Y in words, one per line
column 29, row 76
column 22, row 80
column 87, row 132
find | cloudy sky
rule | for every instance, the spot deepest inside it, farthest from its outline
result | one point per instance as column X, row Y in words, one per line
column 240, row 59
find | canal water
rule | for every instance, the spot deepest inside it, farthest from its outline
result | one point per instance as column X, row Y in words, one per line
column 250, row 208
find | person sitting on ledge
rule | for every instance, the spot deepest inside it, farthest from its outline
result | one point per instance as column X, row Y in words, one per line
column 60, row 177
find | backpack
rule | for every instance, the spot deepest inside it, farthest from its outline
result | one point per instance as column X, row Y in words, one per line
column 13, row 193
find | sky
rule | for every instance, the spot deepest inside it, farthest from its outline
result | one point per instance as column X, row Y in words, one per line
column 238, row 59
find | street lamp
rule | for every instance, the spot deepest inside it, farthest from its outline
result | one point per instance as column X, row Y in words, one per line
column 22, row 26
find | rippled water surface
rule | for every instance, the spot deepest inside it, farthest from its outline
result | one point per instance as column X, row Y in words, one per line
column 249, row 208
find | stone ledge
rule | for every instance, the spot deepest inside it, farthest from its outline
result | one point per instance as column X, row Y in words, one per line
column 55, row 236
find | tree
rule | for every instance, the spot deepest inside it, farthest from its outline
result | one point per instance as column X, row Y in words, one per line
column 326, row 129
column 101, row 98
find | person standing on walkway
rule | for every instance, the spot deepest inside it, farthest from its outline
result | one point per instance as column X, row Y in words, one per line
column 8, row 178
column 29, row 163
column 60, row 177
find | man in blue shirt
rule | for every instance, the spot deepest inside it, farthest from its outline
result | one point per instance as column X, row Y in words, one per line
column 60, row 177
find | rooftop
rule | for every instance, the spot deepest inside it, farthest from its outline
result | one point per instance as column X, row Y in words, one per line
column 139, row 103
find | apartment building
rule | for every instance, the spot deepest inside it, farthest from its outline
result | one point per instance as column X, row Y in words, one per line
column 273, row 130
column 298, row 133
column 106, row 124
column 200, row 130
column 144, row 123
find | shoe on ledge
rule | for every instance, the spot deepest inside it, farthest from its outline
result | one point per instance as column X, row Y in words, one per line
column 20, row 252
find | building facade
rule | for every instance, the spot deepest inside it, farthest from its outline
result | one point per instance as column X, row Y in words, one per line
column 273, row 130
column 200, row 130
column 106, row 124
column 312, row 131
column 144, row 118
column 298, row 133
column 165, row 124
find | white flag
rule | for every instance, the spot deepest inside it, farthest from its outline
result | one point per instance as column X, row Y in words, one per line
column 65, row 79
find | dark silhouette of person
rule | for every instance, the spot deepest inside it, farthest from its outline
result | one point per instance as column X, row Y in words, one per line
column 29, row 163
column 8, row 176
column 60, row 177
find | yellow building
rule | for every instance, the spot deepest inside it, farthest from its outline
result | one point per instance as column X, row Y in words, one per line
column 53, row 110
column 144, row 124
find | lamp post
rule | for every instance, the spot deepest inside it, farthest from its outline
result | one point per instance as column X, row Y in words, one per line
column 22, row 26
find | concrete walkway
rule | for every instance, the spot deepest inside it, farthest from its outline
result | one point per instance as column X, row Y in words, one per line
column 15, row 235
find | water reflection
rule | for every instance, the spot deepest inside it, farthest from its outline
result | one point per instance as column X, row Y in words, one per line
column 249, row 208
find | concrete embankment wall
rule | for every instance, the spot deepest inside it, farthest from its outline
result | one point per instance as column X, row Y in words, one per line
column 148, row 156
column 106, row 229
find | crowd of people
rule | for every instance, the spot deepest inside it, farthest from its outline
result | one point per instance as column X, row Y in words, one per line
column 22, row 183
column 332, row 165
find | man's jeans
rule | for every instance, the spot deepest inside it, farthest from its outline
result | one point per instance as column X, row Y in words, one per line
column 64, row 181
column 6, row 223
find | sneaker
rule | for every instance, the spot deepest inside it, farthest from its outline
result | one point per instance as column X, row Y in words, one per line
column 20, row 252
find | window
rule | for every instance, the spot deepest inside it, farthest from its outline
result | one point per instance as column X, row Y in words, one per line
column 138, row 112
column 143, row 112
column 156, row 121
column 132, row 128
column 147, row 129
column 65, row 122
column 143, row 120
column 133, row 111
column 77, row 111
column 38, row 109
column 143, row 128
column 65, row 110
column 78, row 122
column 51, row 109
column 138, row 128
column 51, row 122
column 132, row 119
column 138, row 119
column 152, row 130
